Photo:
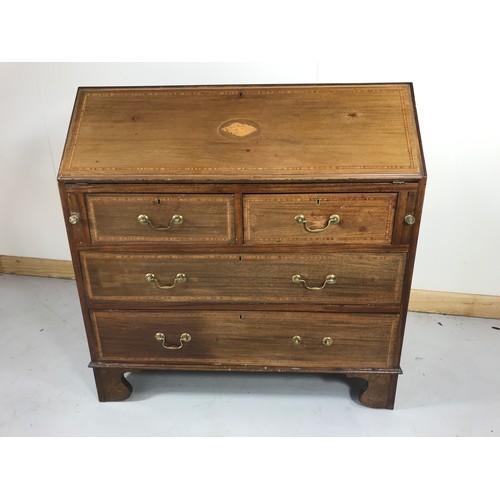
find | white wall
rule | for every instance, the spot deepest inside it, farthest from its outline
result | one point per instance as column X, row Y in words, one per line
column 459, row 109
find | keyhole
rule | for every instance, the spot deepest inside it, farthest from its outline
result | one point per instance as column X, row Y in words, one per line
column 158, row 201
column 318, row 201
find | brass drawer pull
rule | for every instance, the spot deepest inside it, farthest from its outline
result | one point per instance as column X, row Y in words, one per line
column 331, row 279
column 146, row 221
column 333, row 219
column 180, row 278
column 184, row 339
column 297, row 339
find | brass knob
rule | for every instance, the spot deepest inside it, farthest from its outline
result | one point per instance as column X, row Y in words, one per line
column 296, row 340
column 185, row 337
column 328, row 341
column 410, row 219
column 74, row 219
column 143, row 219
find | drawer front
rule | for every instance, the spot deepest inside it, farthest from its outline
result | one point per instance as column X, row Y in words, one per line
column 248, row 338
column 260, row 278
column 165, row 218
column 307, row 218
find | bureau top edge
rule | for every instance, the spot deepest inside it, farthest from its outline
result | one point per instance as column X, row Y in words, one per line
column 246, row 133
column 311, row 182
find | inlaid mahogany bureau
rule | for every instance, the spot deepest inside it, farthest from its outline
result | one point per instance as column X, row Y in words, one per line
column 253, row 228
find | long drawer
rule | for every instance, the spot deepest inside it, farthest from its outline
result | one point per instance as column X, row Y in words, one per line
column 331, row 278
column 247, row 338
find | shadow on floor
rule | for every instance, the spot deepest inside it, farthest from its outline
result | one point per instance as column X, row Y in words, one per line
column 151, row 383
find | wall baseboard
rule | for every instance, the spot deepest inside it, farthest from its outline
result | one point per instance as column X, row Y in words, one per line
column 427, row 301
column 457, row 304
column 29, row 266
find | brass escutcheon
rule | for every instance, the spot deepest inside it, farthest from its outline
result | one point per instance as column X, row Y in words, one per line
column 296, row 340
column 328, row 341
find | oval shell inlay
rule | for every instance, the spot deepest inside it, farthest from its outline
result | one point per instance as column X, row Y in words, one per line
column 239, row 128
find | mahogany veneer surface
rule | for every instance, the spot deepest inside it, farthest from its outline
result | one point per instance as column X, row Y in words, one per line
column 291, row 213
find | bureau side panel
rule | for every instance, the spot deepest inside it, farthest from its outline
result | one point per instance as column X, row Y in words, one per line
column 412, row 233
column 73, row 204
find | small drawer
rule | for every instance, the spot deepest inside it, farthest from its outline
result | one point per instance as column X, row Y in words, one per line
column 330, row 278
column 342, row 218
column 181, row 218
column 248, row 338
